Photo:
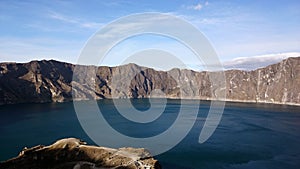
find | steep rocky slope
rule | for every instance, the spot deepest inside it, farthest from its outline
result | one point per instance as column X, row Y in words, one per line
column 53, row 81
column 72, row 153
column 277, row 83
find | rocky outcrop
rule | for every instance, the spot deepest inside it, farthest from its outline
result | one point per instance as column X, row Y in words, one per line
column 277, row 83
column 53, row 81
column 72, row 153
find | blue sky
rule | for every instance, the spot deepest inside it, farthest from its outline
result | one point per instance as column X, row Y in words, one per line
column 59, row 29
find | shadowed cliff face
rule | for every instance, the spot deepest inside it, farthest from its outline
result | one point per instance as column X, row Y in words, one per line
column 53, row 81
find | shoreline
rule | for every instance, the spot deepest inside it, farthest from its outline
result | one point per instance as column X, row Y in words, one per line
column 171, row 98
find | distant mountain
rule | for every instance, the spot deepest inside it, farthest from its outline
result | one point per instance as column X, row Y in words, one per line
column 255, row 62
column 53, row 81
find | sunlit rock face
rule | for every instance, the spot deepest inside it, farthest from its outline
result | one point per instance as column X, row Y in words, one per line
column 71, row 153
column 277, row 83
column 53, row 81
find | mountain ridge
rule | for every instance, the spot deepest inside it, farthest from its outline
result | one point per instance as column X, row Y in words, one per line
column 53, row 81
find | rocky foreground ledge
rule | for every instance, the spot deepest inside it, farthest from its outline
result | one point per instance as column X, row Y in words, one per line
column 72, row 153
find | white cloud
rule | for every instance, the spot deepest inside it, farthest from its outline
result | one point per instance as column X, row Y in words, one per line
column 209, row 21
column 76, row 21
column 255, row 62
column 196, row 7
column 247, row 63
column 57, row 16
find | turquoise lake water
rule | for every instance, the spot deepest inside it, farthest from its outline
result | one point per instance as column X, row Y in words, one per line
column 249, row 135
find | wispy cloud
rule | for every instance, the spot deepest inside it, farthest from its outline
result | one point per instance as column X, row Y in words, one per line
column 76, row 21
column 27, row 49
column 197, row 6
column 57, row 16
column 255, row 62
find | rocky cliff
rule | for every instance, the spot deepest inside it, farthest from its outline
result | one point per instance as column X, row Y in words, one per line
column 53, row 81
column 72, row 153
